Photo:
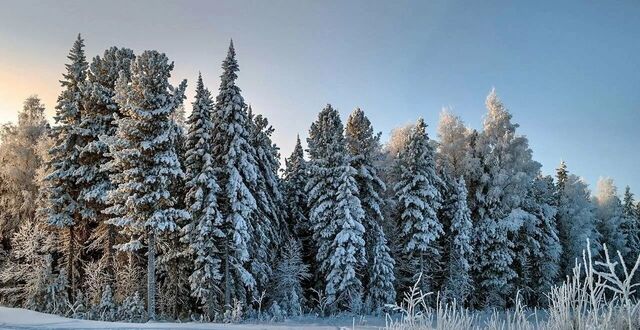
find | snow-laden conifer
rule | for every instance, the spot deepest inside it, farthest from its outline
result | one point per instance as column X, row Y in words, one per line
column 66, row 210
column 204, row 232
column 336, row 214
column 610, row 217
column 143, row 151
column 630, row 224
column 237, row 173
column 364, row 148
column 538, row 247
column 576, row 219
column 269, row 219
column 97, row 123
column 504, row 171
column 418, row 201
column 457, row 284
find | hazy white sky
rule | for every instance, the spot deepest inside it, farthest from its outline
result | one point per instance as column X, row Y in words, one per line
column 569, row 71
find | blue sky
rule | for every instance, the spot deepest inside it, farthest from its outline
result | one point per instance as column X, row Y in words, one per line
column 568, row 71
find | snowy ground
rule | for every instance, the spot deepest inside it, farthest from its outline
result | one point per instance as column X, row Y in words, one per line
column 16, row 318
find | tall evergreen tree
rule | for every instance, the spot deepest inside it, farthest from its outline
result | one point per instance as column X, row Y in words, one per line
column 66, row 210
column 143, row 151
column 505, row 172
column 237, row 173
column 97, row 123
column 294, row 179
column 458, row 251
column 538, row 246
column 419, row 199
column 575, row 219
column 631, row 225
column 336, row 214
column 269, row 219
column 609, row 217
column 204, row 231
column 364, row 148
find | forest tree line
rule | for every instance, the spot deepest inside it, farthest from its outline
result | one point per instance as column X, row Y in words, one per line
column 127, row 208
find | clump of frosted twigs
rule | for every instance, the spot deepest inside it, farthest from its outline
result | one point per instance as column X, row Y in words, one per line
column 598, row 295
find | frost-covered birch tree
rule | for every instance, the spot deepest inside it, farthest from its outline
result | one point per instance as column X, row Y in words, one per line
column 504, row 171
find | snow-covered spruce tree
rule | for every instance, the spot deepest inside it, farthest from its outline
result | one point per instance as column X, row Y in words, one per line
column 538, row 247
column 418, row 201
column 97, row 122
column 575, row 219
column 28, row 271
column 288, row 275
column 204, row 232
column 237, row 173
column 609, row 216
column 458, row 251
column 144, row 154
column 174, row 260
column 268, row 221
column 66, row 210
column 294, row 181
column 630, row 225
column 502, row 179
column 336, row 214
column 364, row 148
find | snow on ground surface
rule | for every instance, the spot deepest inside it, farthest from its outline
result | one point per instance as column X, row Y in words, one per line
column 17, row 318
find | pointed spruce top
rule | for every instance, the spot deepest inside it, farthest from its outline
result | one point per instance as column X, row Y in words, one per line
column 199, row 84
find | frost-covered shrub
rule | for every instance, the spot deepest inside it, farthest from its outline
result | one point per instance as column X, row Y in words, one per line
column 289, row 273
column 106, row 310
column 132, row 309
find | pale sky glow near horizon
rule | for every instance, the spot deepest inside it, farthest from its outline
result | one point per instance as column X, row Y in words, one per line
column 568, row 71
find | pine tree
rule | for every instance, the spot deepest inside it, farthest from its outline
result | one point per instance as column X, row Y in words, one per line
column 97, row 122
column 294, row 180
column 364, row 148
column 609, row 216
column 419, row 199
column 269, row 219
column 204, row 232
column 67, row 210
column 237, row 177
column 630, row 225
column 538, row 247
column 144, row 155
column 505, row 171
column 336, row 214
column 458, row 251
column 575, row 219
